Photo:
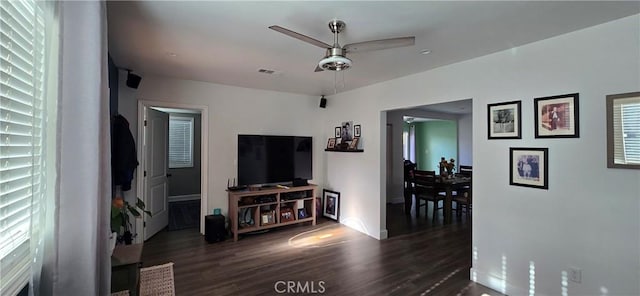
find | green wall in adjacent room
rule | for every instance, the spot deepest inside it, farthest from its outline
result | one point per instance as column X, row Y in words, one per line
column 435, row 139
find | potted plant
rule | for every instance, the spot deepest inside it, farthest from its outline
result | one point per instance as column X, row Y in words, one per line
column 121, row 219
column 447, row 168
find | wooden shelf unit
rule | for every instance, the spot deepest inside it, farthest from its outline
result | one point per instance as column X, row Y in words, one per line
column 246, row 200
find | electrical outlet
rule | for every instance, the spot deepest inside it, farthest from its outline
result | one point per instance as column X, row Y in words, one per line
column 575, row 274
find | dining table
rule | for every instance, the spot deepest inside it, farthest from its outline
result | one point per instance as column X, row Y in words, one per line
column 450, row 184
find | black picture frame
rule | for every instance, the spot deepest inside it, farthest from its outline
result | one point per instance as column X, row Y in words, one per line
column 338, row 131
column 529, row 167
column 331, row 204
column 557, row 116
column 346, row 131
column 504, row 120
column 356, row 130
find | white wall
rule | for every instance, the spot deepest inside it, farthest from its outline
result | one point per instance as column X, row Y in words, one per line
column 232, row 111
column 590, row 216
column 465, row 139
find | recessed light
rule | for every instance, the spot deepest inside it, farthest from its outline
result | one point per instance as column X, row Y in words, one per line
column 425, row 51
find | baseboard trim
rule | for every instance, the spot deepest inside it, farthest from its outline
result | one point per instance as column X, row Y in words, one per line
column 497, row 283
column 184, row 197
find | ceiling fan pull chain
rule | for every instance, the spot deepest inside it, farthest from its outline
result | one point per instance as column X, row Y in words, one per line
column 342, row 76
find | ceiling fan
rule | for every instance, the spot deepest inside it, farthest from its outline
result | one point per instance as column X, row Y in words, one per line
column 335, row 59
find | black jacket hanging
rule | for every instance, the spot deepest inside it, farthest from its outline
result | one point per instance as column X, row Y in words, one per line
column 123, row 153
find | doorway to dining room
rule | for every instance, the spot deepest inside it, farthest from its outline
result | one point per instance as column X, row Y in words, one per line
column 420, row 136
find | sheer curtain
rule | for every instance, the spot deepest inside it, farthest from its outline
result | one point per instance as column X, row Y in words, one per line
column 76, row 259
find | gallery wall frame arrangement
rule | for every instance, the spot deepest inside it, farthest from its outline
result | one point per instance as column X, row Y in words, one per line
column 557, row 116
column 623, row 130
column 346, row 138
column 504, row 120
column 529, row 167
column 331, row 204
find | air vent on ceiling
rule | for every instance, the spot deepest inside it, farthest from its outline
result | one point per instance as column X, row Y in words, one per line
column 266, row 71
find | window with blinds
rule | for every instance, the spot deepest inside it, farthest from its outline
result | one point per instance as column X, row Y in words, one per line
column 180, row 141
column 22, row 44
column 623, row 120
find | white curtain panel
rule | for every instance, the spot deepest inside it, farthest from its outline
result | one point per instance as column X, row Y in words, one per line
column 77, row 259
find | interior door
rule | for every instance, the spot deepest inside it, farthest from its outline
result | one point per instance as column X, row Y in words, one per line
column 156, row 132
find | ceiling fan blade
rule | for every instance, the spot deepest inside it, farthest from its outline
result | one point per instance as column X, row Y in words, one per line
column 300, row 36
column 380, row 44
column 318, row 69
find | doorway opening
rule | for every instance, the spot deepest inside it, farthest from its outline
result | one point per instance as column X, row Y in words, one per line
column 173, row 159
column 420, row 136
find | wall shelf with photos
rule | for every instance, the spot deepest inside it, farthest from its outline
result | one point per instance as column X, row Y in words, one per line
column 343, row 150
column 346, row 139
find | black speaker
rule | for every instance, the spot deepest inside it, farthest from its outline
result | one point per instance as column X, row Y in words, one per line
column 323, row 102
column 133, row 80
column 299, row 182
column 214, row 230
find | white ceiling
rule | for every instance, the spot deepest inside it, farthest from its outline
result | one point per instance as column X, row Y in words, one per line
column 227, row 42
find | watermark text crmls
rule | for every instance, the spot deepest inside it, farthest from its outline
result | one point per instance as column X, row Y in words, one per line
column 300, row 287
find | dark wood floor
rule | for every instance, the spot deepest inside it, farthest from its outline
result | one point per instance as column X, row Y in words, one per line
column 429, row 259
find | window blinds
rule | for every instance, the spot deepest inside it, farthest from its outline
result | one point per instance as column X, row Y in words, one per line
column 631, row 131
column 180, row 142
column 21, row 137
column 626, row 130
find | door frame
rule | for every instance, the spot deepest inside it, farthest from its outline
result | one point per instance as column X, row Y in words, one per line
column 204, row 155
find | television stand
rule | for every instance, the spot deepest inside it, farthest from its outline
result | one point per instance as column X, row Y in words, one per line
column 257, row 210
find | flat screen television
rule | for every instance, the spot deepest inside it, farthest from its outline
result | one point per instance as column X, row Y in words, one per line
column 273, row 159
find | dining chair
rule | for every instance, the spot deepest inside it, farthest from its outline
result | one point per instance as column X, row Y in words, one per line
column 463, row 196
column 465, row 170
column 425, row 189
column 409, row 168
column 463, row 201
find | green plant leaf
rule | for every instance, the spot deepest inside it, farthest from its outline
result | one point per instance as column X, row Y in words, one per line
column 148, row 213
column 140, row 204
column 133, row 211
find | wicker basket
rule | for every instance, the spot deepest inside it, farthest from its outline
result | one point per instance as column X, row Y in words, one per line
column 157, row 280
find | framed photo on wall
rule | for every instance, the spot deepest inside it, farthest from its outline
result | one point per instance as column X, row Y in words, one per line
column 557, row 116
column 347, row 131
column 504, row 120
column 331, row 201
column 529, row 167
column 356, row 130
column 338, row 130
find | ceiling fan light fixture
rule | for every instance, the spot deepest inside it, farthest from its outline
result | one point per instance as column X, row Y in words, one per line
column 335, row 63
